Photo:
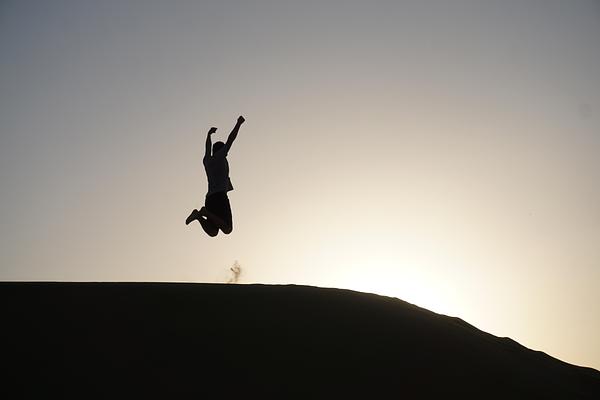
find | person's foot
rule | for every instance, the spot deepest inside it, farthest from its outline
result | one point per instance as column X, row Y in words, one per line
column 202, row 211
column 193, row 216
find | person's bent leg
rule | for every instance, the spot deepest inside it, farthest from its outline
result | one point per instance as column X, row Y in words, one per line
column 213, row 218
column 193, row 216
column 227, row 229
column 210, row 229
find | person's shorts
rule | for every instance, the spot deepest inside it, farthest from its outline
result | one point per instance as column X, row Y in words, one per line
column 218, row 203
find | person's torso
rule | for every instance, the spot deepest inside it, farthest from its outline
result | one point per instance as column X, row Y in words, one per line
column 217, row 172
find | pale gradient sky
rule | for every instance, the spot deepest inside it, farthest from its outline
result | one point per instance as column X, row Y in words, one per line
column 443, row 152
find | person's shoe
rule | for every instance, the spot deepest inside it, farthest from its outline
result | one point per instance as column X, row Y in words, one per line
column 193, row 216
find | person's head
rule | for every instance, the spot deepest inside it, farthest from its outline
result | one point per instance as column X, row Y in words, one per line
column 217, row 146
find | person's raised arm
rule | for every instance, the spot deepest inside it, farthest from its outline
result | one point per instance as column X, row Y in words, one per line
column 209, row 142
column 234, row 133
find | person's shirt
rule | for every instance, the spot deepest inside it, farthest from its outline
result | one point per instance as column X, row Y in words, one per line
column 217, row 172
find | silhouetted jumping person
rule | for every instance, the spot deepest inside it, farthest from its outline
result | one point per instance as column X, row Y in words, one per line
column 216, row 213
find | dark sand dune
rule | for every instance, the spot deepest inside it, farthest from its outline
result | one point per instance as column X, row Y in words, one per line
column 139, row 340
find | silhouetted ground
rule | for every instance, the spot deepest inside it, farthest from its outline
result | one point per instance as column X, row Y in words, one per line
column 159, row 340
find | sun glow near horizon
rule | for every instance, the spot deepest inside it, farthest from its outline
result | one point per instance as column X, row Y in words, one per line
column 388, row 262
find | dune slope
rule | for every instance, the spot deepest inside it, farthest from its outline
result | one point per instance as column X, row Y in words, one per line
column 172, row 339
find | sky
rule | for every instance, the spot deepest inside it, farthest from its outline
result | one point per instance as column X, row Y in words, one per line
column 442, row 152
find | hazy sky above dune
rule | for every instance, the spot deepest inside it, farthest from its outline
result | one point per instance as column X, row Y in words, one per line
column 443, row 152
